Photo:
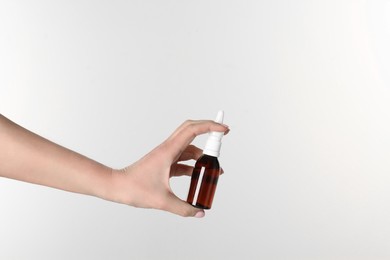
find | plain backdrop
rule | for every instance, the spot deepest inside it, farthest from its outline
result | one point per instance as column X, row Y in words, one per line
column 305, row 89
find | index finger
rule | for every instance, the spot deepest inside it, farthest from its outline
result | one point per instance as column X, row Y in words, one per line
column 187, row 132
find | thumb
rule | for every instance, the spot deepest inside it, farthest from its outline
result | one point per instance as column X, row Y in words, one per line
column 182, row 208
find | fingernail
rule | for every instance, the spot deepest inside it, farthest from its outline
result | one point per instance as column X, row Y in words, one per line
column 199, row 214
column 225, row 125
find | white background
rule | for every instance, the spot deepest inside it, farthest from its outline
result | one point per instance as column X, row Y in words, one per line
column 304, row 85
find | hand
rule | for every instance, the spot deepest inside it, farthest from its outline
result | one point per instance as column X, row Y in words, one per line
column 145, row 183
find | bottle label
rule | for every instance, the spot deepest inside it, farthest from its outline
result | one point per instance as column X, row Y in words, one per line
column 200, row 179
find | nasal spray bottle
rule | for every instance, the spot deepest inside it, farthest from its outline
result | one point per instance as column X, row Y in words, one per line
column 206, row 171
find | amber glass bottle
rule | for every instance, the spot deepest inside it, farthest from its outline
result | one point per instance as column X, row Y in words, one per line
column 204, row 182
column 206, row 171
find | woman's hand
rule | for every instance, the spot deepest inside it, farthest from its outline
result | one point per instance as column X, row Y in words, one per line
column 145, row 183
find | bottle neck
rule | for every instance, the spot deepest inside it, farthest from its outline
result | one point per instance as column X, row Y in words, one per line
column 213, row 144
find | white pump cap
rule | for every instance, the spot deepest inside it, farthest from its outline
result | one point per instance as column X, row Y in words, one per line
column 213, row 144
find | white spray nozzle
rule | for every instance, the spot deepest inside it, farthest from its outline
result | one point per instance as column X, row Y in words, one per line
column 213, row 144
column 219, row 118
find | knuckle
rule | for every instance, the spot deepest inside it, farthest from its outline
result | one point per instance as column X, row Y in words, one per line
column 186, row 213
column 188, row 122
column 189, row 127
column 161, row 204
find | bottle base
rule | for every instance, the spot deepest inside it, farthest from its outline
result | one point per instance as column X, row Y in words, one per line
column 200, row 206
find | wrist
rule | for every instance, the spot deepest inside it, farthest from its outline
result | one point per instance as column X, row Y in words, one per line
column 101, row 186
column 112, row 189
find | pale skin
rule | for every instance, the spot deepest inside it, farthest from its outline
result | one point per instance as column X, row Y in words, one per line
column 28, row 157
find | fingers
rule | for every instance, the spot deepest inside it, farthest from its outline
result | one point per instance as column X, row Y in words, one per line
column 182, row 208
column 191, row 152
column 192, row 128
column 177, row 148
column 187, row 132
column 180, row 170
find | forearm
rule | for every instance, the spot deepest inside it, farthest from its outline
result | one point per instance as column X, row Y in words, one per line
column 28, row 157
